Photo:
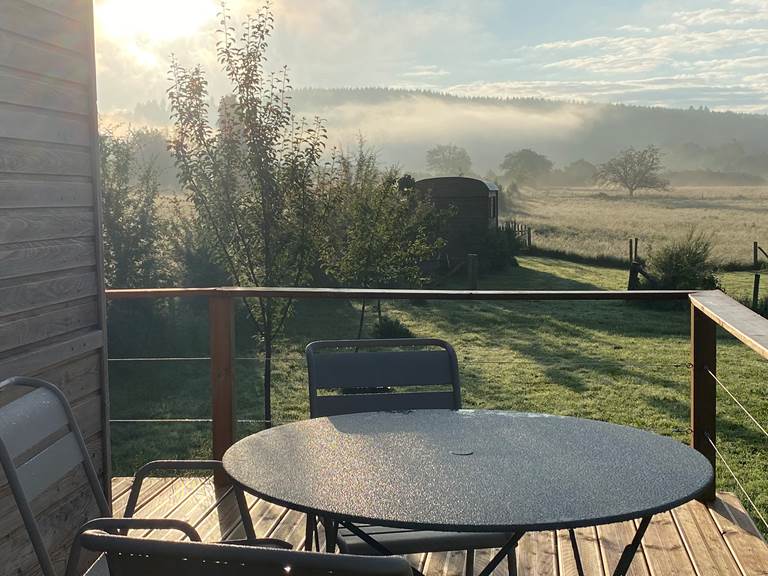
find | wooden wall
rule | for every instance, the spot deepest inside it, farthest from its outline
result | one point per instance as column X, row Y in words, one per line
column 51, row 283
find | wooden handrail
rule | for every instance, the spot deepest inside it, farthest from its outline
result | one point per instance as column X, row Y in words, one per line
column 387, row 294
column 746, row 325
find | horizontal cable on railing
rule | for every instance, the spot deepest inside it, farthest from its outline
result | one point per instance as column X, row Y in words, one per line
column 738, row 482
column 176, row 421
column 300, row 356
column 739, row 404
column 180, row 359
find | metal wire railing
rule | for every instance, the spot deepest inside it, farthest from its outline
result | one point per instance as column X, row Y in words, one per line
column 738, row 483
column 723, row 459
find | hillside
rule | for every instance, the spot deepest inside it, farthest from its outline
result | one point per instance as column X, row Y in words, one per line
column 402, row 124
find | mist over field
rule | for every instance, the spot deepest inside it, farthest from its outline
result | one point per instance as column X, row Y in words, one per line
column 403, row 124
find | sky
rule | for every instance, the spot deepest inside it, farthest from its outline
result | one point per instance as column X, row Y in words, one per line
column 677, row 54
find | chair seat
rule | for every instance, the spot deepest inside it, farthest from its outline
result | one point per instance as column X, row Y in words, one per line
column 402, row 541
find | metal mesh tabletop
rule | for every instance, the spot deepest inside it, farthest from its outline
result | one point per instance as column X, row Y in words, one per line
column 468, row 470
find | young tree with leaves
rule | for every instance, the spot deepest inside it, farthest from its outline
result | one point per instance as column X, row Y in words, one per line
column 378, row 230
column 133, row 226
column 634, row 170
column 251, row 176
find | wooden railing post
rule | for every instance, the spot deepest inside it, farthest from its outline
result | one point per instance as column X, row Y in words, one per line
column 221, row 332
column 703, row 389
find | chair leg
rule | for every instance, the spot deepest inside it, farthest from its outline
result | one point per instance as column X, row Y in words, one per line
column 469, row 570
column 309, row 534
column 512, row 562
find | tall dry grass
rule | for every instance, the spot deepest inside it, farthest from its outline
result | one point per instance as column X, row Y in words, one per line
column 598, row 223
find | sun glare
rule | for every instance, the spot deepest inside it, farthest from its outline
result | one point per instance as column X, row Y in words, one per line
column 152, row 21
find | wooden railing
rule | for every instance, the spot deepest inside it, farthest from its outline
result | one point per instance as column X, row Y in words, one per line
column 709, row 309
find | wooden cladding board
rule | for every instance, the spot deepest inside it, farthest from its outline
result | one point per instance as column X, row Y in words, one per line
column 51, row 285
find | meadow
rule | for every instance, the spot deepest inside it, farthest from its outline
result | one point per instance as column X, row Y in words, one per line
column 598, row 223
column 614, row 361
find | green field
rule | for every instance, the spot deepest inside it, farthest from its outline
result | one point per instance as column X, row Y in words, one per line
column 596, row 223
column 614, row 361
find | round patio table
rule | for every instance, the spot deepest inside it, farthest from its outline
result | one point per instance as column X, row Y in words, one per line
column 470, row 471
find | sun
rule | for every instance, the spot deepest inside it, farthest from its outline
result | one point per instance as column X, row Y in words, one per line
column 141, row 25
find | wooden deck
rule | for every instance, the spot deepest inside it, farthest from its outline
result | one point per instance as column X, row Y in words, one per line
column 695, row 540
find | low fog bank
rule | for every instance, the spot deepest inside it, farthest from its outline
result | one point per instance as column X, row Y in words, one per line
column 699, row 146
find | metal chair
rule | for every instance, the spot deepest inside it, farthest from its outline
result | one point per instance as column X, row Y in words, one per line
column 40, row 443
column 371, row 379
column 126, row 556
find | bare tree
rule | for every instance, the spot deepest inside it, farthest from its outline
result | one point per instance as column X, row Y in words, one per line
column 634, row 170
column 251, row 176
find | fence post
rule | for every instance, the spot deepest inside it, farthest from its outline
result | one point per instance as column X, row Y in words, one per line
column 631, row 252
column 635, row 253
column 703, row 389
column 755, row 255
column 756, row 291
column 221, row 333
column 472, row 270
column 529, row 232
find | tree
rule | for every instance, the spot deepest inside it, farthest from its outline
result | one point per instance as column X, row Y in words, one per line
column 251, row 176
column 525, row 166
column 378, row 229
column 133, row 227
column 579, row 173
column 634, row 170
column 448, row 160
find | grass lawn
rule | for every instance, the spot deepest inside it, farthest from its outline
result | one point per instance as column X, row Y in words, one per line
column 595, row 222
column 614, row 361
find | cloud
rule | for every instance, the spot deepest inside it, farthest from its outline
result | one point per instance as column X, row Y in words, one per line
column 447, row 44
column 632, row 28
column 425, row 71
column 677, row 91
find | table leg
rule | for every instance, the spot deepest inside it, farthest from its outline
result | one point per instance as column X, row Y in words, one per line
column 631, row 549
column 503, row 551
column 576, row 555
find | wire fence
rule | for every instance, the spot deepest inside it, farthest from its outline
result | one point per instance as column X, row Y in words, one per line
column 723, row 459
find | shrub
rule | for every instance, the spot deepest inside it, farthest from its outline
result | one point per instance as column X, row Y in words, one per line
column 685, row 264
column 762, row 305
column 388, row 327
column 497, row 251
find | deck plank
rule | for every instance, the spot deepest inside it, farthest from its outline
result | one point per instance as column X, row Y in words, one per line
column 537, row 554
column 151, row 489
column 743, row 539
column 664, row 550
column 703, row 540
column 589, row 551
column 613, row 539
column 693, row 540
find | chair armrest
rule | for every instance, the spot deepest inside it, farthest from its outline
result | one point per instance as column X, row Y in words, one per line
column 143, row 472
column 261, row 543
column 122, row 525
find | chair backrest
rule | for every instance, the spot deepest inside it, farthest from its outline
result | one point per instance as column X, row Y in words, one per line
column 40, row 443
column 127, row 556
column 355, row 367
